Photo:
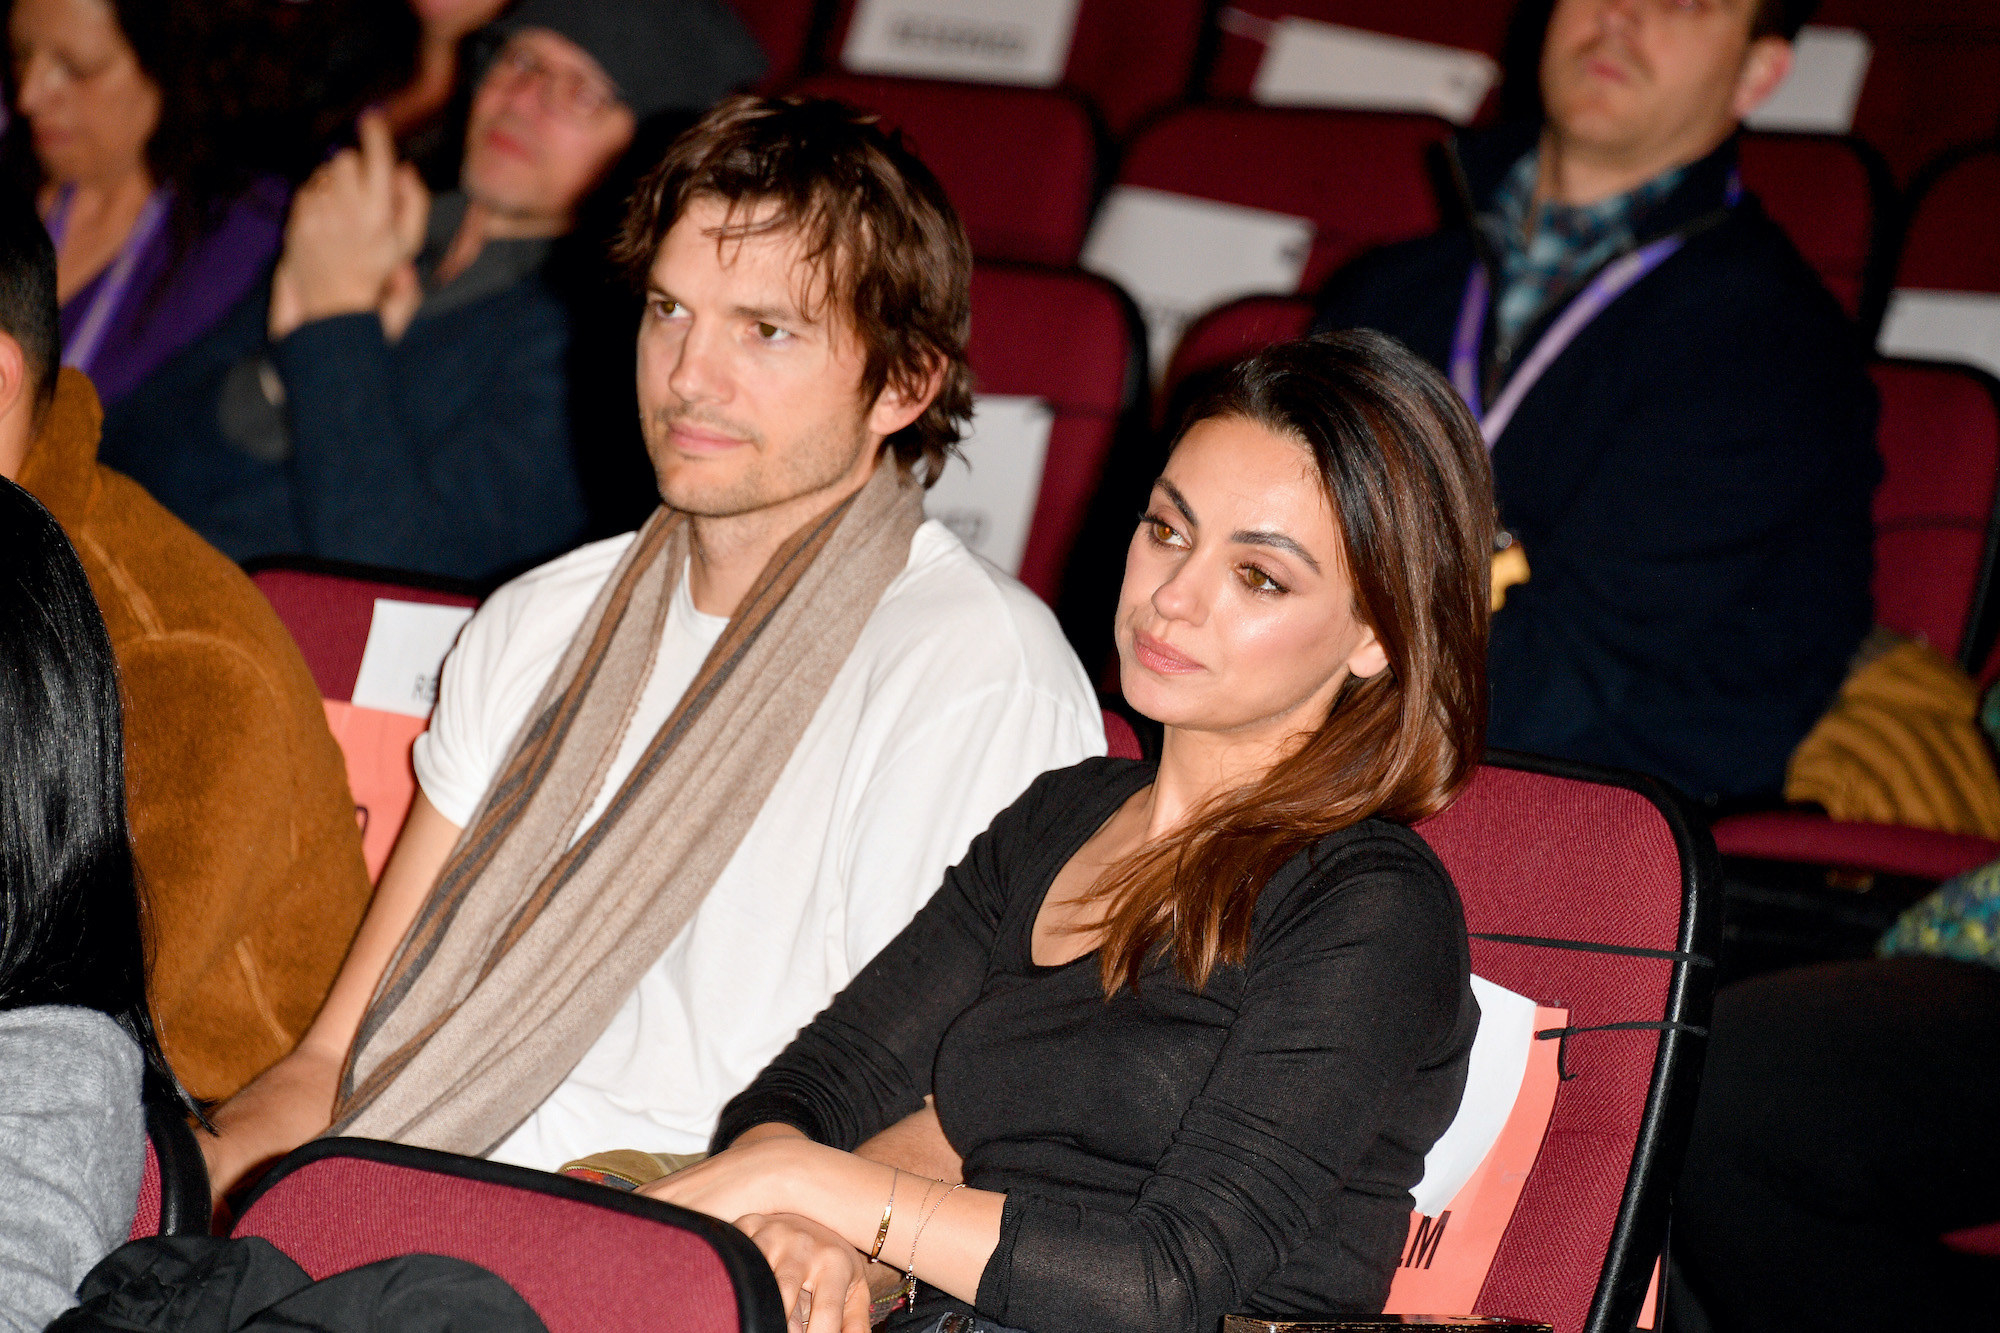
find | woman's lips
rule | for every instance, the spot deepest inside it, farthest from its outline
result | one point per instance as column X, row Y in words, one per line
column 1157, row 657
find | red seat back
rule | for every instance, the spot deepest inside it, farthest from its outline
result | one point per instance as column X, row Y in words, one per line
column 1071, row 339
column 1128, row 57
column 1603, row 892
column 1934, row 513
column 328, row 607
column 785, row 29
column 146, row 1218
column 1361, row 177
column 1120, row 740
column 173, row 1188
column 1930, row 81
column 1473, row 25
column 1826, row 192
column 587, row 1258
column 1020, row 164
column 1953, row 242
column 1233, row 331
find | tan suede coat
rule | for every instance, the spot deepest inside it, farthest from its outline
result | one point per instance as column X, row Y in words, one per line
column 244, row 832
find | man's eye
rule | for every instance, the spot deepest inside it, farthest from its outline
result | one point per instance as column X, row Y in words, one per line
column 771, row 332
column 664, row 308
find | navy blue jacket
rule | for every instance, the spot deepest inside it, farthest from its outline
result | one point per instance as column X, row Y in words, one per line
column 448, row 452
column 1690, row 480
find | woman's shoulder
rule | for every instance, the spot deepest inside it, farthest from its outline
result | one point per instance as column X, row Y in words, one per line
column 57, row 1056
column 1373, row 871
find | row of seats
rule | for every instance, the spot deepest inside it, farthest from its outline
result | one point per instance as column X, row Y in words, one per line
column 1928, row 82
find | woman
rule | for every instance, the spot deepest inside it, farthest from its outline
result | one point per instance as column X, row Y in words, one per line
column 1189, row 1029
column 159, row 224
column 419, row 113
column 77, row 1049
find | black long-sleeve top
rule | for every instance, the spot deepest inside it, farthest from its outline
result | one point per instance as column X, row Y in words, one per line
column 1168, row 1156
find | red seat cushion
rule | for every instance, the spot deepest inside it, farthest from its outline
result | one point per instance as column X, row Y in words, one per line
column 1020, row 164
column 1236, row 330
column 1952, row 244
column 1813, row 839
column 1361, row 176
column 1821, row 191
column 784, row 28
column 146, row 1219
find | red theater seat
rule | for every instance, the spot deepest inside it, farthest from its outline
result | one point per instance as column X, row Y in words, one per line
column 785, row 29
column 1020, row 164
column 587, row 1258
column 1128, row 57
column 1473, row 25
column 1930, row 83
column 1953, row 242
column 1361, row 177
column 1591, row 890
column 173, row 1189
column 328, row 605
column 1828, row 194
column 1233, row 331
column 1071, row 339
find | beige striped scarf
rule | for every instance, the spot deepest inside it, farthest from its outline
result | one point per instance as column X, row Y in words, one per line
column 533, row 937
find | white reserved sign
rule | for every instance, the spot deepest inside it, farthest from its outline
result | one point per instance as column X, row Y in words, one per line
column 1943, row 326
column 1493, row 1077
column 988, row 41
column 1829, row 65
column 1180, row 256
column 407, row 643
column 1309, row 63
column 988, row 496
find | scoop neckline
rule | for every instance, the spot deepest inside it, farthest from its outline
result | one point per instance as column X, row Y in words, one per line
column 1024, row 930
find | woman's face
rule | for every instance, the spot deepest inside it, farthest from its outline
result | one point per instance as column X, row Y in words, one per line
column 1237, row 613
column 80, row 86
column 453, row 19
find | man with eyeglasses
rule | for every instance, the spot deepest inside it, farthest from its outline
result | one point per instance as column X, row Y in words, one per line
column 401, row 394
column 1681, row 427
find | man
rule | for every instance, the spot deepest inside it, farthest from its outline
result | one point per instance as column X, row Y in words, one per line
column 682, row 784
column 399, row 393
column 243, row 830
column 1680, row 424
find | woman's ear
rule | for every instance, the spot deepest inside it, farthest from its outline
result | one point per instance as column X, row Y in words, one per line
column 1369, row 658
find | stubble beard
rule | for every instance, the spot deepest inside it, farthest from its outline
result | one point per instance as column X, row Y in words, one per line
column 770, row 477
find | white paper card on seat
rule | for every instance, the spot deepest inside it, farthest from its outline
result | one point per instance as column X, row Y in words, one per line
column 1309, row 63
column 1492, row 1081
column 1180, row 256
column 986, row 41
column 1943, row 326
column 1829, row 65
column 988, row 497
column 407, row 642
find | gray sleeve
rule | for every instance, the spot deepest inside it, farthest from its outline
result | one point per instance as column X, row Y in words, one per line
column 72, row 1148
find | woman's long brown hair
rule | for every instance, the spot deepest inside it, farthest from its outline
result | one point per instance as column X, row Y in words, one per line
column 1405, row 472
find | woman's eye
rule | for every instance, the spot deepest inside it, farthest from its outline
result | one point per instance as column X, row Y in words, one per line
column 1161, row 531
column 1259, row 581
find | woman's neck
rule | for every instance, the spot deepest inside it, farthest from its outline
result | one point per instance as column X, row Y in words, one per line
column 97, row 223
column 1197, row 766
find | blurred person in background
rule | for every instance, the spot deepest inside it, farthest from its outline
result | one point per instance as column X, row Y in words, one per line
column 444, row 24
column 399, row 392
column 242, row 824
column 1680, row 422
column 78, row 1055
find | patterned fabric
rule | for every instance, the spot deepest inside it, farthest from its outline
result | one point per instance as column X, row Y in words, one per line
column 1961, row 920
column 1545, row 258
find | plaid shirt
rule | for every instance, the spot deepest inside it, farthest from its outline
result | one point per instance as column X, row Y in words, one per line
column 1543, row 264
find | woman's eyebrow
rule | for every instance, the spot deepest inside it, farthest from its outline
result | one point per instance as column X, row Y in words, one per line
column 1180, row 501
column 1277, row 541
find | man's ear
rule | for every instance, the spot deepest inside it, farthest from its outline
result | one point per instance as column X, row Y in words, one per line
column 17, row 407
column 15, row 382
column 897, row 406
column 1765, row 66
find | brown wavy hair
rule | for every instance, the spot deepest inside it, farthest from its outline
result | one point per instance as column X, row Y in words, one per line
column 1405, row 472
column 881, row 237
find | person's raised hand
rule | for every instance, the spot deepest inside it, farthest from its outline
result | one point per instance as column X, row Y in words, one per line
column 354, row 226
column 822, row 1279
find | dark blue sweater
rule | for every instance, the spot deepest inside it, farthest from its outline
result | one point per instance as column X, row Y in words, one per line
column 1690, row 480
column 448, row 452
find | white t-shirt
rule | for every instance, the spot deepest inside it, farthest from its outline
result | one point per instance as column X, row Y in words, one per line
column 959, row 691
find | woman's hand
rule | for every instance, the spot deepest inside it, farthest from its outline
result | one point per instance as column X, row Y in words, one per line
column 752, row 1177
column 823, row 1279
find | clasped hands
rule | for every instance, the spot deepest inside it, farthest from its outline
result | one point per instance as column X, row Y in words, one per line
column 352, row 239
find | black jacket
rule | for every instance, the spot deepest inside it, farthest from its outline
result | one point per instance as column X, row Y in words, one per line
column 1690, row 480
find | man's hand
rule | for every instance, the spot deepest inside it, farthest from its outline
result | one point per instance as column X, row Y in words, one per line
column 355, row 229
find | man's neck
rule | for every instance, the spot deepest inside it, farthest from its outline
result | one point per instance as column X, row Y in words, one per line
column 483, row 223
column 727, row 554
column 17, row 433
column 1579, row 175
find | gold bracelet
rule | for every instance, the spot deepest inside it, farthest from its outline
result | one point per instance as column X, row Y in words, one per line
column 910, row 1269
column 888, row 1211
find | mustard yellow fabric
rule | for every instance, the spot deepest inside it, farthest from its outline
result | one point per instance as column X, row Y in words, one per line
column 1902, row 745
column 248, row 852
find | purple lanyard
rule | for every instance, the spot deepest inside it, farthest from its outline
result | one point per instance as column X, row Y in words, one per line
column 1611, row 282
column 81, row 349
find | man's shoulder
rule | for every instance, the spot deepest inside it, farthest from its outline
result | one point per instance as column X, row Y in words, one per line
column 949, row 608
column 550, row 601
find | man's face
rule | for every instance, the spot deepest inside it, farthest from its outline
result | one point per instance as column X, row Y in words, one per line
column 749, row 387
column 1642, row 78
column 545, row 126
